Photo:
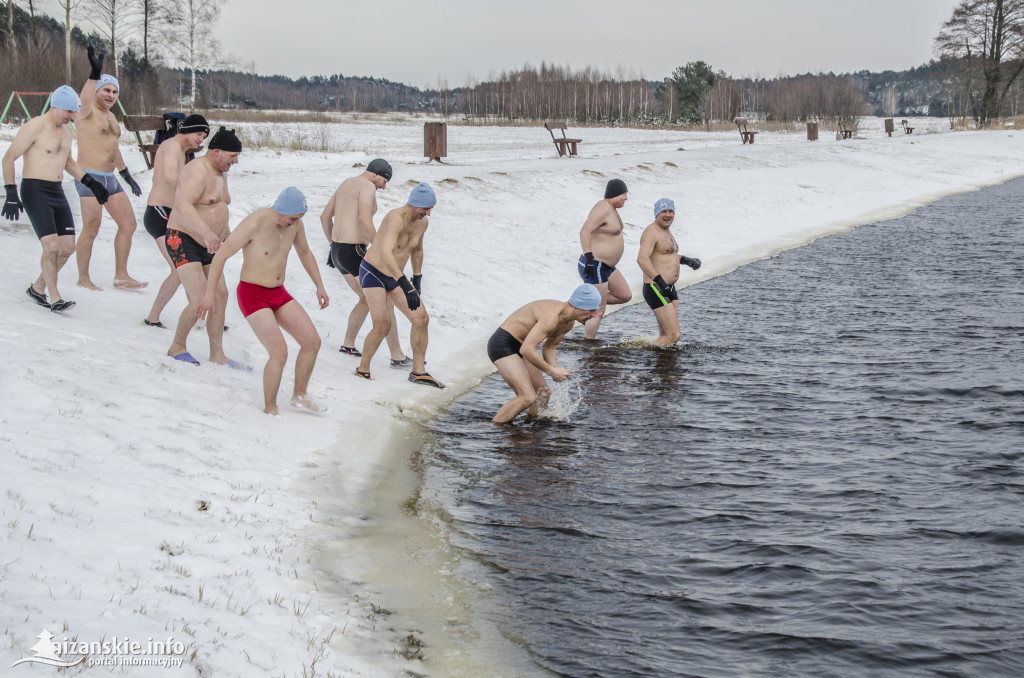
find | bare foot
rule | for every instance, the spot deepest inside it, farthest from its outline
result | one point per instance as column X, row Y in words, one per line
column 89, row 285
column 271, row 410
column 129, row 284
column 307, row 403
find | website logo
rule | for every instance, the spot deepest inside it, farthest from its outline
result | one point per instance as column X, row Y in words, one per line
column 116, row 652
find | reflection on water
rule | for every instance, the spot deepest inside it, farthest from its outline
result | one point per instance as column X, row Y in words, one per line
column 824, row 479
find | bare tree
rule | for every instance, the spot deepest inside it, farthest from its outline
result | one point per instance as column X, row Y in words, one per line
column 190, row 38
column 67, row 6
column 109, row 17
column 986, row 37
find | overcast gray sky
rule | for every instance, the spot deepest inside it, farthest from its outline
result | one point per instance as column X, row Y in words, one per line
column 418, row 42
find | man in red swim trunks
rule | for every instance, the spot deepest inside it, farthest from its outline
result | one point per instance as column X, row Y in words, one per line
column 266, row 237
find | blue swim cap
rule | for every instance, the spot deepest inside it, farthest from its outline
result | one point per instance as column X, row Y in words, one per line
column 586, row 298
column 422, row 196
column 65, row 99
column 107, row 79
column 290, row 202
column 664, row 204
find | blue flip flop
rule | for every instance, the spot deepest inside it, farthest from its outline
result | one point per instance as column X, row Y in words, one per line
column 235, row 365
column 186, row 357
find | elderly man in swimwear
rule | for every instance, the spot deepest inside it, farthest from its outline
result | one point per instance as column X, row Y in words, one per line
column 45, row 144
column 197, row 226
column 167, row 165
column 659, row 259
column 266, row 237
column 513, row 347
column 99, row 153
column 603, row 244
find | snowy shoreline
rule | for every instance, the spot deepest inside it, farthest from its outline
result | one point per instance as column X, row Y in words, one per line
column 145, row 498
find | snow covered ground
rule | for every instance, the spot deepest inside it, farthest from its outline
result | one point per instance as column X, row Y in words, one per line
column 143, row 498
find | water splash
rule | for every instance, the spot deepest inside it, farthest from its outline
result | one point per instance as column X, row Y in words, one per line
column 566, row 398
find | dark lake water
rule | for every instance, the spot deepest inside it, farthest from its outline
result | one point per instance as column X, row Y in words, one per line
column 825, row 478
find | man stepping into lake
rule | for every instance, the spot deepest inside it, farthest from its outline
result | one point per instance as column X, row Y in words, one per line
column 659, row 259
column 602, row 241
column 266, row 237
column 513, row 347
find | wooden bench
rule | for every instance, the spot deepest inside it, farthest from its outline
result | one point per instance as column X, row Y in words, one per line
column 906, row 127
column 145, row 123
column 745, row 134
column 563, row 144
column 844, row 131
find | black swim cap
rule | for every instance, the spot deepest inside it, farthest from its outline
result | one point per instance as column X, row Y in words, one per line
column 194, row 123
column 225, row 140
column 380, row 167
column 615, row 188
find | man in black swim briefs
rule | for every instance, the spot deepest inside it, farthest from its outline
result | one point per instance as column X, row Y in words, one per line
column 45, row 144
column 168, row 162
column 347, row 220
column 513, row 347
column 659, row 259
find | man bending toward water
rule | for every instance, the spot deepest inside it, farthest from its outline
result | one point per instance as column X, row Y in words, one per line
column 513, row 347
column 659, row 259
column 266, row 237
column 602, row 242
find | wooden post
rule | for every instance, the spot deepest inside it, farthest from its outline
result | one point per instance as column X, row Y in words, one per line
column 435, row 140
column 890, row 126
column 812, row 131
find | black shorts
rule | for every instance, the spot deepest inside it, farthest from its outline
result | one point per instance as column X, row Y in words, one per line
column 346, row 257
column 656, row 299
column 185, row 250
column 502, row 345
column 155, row 220
column 47, row 207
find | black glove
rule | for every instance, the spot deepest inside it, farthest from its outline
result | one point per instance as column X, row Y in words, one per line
column 663, row 287
column 96, row 187
column 417, row 282
column 412, row 297
column 13, row 207
column 330, row 261
column 693, row 263
column 96, row 62
column 128, row 179
column 588, row 268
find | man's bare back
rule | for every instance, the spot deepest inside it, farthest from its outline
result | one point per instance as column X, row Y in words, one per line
column 354, row 204
column 168, row 163
column 543, row 313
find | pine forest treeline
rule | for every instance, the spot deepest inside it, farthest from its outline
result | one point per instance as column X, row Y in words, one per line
column 38, row 54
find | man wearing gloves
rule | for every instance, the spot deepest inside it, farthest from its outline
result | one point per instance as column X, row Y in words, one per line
column 99, row 155
column 382, row 277
column 45, row 144
column 659, row 259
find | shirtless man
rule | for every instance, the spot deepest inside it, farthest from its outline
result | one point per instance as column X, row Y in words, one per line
column 45, row 143
column 601, row 238
column 659, row 259
column 98, row 152
column 381, row 276
column 347, row 221
column 265, row 238
column 513, row 347
column 167, row 165
column 195, row 231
